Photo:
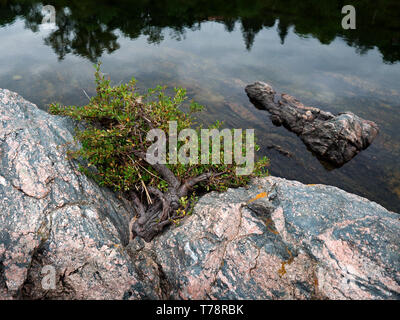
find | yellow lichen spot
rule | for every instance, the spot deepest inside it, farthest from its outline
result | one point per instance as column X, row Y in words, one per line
column 268, row 223
column 311, row 185
column 259, row 196
column 316, row 283
column 282, row 270
column 291, row 259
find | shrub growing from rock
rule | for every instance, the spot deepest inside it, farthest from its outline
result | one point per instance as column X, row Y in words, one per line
column 113, row 146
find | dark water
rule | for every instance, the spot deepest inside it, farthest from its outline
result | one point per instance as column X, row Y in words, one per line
column 214, row 48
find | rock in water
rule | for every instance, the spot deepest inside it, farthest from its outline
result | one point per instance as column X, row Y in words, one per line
column 334, row 138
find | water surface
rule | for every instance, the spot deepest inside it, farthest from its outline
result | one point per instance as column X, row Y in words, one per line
column 214, row 49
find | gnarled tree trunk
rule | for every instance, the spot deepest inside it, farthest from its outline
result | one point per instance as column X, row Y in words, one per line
column 152, row 218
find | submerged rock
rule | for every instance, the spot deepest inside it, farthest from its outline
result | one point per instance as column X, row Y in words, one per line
column 276, row 239
column 334, row 138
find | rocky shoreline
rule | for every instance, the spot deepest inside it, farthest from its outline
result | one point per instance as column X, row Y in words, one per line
column 276, row 239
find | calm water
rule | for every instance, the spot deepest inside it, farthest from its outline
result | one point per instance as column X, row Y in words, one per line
column 214, row 50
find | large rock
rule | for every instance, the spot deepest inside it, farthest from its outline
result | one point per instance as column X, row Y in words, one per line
column 50, row 214
column 334, row 138
column 277, row 239
column 281, row 239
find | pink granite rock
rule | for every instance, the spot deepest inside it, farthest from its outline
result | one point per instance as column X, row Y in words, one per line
column 276, row 239
column 281, row 239
column 52, row 215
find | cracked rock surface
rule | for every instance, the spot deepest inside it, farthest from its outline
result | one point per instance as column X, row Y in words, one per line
column 282, row 239
column 51, row 214
column 276, row 239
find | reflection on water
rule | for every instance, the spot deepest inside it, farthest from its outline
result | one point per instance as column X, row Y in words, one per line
column 214, row 49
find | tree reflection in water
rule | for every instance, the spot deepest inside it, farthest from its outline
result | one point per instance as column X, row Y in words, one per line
column 88, row 28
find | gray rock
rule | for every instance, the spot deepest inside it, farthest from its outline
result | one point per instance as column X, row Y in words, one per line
column 334, row 138
column 276, row 239
column 292, row 241
column 51, row 214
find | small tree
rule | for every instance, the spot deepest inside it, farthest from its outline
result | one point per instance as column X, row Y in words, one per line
column 113, row 145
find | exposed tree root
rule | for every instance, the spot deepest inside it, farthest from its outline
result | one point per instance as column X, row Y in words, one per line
column 151, row 218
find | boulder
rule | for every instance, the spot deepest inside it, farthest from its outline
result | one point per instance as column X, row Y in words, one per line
column 275, row 239
column 281, row 239
column 52, row 215
column 334, row 138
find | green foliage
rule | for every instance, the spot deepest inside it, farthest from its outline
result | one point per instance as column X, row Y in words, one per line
column 117, row 121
